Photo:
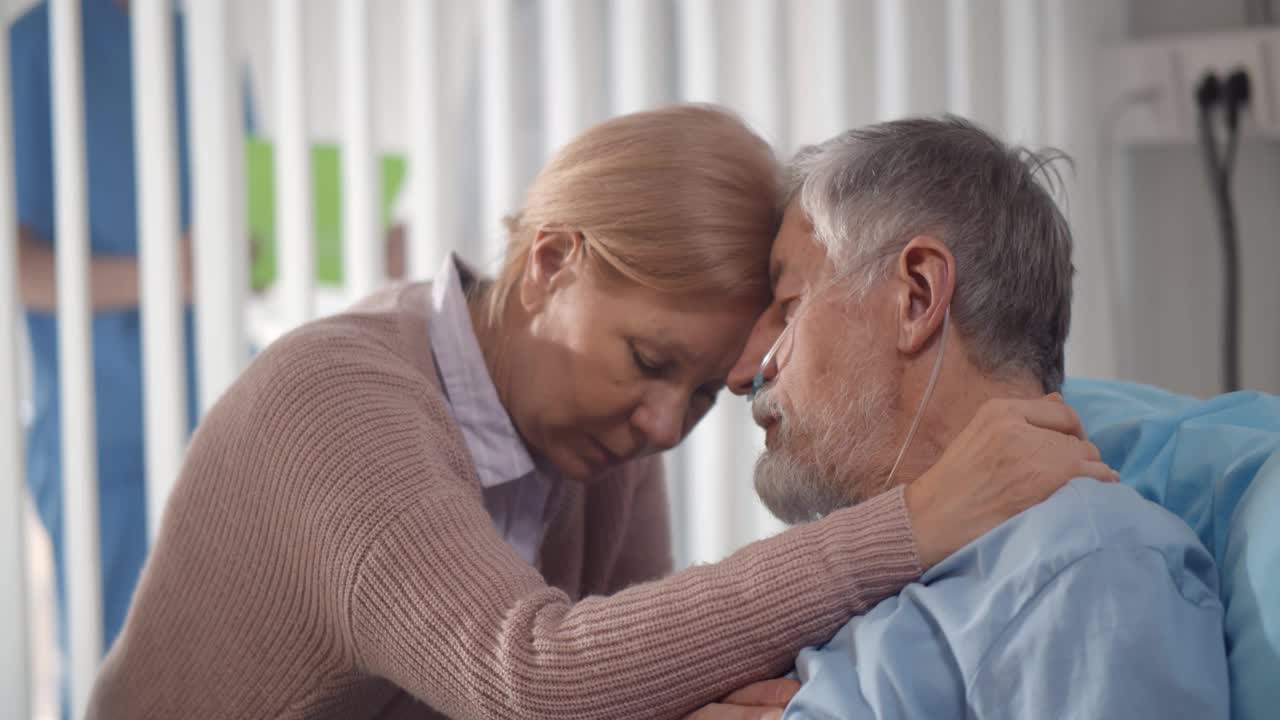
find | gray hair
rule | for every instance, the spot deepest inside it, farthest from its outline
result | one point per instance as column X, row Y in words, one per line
column 868, row 191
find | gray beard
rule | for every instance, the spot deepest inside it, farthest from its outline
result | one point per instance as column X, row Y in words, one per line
column 831, row 458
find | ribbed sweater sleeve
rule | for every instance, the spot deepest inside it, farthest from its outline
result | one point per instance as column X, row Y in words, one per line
column 445, row 610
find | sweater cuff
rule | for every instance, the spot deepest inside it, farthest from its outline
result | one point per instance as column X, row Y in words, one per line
column 874, row 548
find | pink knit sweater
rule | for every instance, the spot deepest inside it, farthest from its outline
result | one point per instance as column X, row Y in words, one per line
column 326, row 554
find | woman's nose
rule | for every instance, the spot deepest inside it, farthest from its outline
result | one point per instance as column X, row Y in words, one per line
column 662, row 422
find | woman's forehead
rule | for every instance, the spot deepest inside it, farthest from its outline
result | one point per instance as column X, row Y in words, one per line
column 695, row 331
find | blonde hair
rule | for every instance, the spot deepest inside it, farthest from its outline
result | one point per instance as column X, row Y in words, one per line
column 681, row 199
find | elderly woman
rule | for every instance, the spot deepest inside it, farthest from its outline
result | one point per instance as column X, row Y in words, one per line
column 448, row 500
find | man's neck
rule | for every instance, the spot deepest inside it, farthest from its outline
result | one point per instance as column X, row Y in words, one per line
column 956, row 399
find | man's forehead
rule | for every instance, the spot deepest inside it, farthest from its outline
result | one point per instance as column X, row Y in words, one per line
column 775, row 270
column 794, row 248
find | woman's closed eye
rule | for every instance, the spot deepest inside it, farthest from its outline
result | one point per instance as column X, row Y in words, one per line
column 648, row 366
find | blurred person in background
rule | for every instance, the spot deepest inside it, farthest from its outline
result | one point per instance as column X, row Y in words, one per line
column 113, row 280
column 449, row 500
column 920, row 257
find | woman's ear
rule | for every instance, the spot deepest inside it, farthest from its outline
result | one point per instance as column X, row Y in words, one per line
column 926, row 272
column 554, row 259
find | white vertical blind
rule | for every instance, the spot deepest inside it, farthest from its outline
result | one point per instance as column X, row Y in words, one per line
column 501, row 196
column 763, row 59
column 702, row 471
column 1023, row 46
column 15, row 677
column 829, row 48
column 429, row 231
column 1112, row 190
column 1070, row 50
column 159, row 234
column 75, row 356
column 363, row 254
column 926, row 50
column 911, row 53
column 960, row 57
column 218, row 224
column 636, row 35
column 564, row 29
column 295, row 243
column 974, row 55
column 893, row 60
column 699, row 48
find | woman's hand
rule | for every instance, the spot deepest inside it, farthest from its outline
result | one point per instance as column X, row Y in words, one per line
column 758, row 701
column 1012, row 455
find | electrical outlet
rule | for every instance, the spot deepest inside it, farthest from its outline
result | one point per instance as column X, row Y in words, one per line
column 1223, row 54
column 1139, row 89
column 1269, row 84
column 1148, row 87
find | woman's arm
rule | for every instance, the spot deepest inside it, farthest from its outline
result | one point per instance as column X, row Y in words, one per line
column 445, row 609
column 442, row 607
column 113, row 280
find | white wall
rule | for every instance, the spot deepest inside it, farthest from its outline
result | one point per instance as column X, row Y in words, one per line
column 1174, row 339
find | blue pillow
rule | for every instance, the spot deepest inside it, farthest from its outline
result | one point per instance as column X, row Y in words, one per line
column 1216, row 464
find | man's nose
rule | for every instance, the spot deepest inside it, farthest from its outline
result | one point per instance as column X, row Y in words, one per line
column 744, row 370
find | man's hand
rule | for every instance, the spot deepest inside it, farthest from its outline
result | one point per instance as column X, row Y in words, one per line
column 1012, row 455
column 758, row 701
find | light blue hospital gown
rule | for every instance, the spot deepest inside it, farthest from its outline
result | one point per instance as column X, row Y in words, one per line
column 113, row 231
column 1093, row 604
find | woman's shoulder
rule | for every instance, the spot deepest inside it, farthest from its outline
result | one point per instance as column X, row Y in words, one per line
column 351, row 400
column 384, row 334
column 394, row 318
column 374, row 359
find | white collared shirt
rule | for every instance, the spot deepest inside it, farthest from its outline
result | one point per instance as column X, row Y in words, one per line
column 517, row 493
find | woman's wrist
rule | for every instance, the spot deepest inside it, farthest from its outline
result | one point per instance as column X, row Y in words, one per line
column 921, row 507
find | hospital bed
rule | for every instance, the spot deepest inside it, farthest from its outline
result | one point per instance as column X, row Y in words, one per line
column 1218, row 465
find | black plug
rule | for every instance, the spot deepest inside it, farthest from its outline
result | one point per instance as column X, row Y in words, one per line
column 1208, row 92
column 1235, row 95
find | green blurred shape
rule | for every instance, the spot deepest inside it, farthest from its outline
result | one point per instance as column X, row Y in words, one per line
column 326, row 199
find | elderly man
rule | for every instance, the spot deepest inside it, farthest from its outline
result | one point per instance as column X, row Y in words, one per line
column 922, row 269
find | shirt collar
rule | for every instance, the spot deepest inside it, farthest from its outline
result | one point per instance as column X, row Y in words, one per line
column 496, row 449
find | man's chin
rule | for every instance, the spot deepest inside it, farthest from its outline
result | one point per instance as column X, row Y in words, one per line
column 794, row 491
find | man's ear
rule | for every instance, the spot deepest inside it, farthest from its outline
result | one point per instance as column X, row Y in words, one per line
column 554, row 260
column 926, row 272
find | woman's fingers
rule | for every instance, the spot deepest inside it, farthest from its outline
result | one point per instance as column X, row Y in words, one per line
column 1012, row 455
column 1098, row 471
column 762, row 700
column 1050, row 413
column 768, row 693
column 720, row 711
column 1091, row 451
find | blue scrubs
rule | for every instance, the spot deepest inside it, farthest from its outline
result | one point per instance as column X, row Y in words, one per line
column 108, row 102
